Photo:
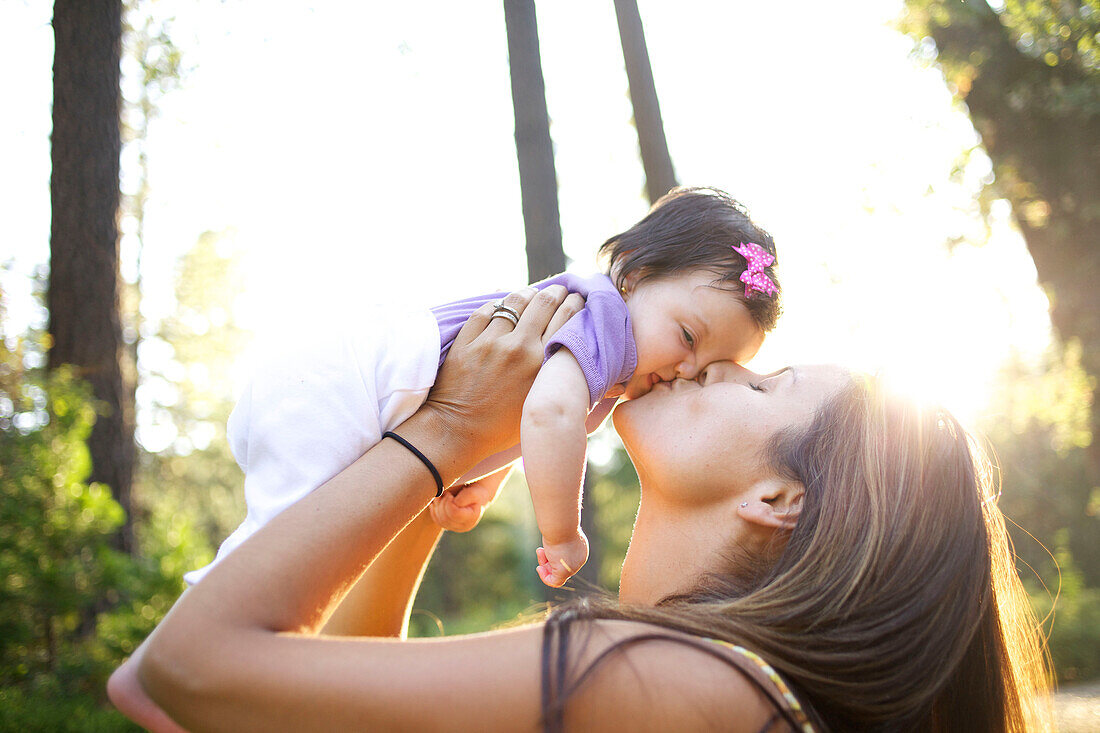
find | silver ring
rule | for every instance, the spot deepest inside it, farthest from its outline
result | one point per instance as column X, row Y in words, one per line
column 507, row 313
column 500, row 307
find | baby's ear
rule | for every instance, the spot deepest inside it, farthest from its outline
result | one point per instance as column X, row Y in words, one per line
column 772, row 504
column 629, row 283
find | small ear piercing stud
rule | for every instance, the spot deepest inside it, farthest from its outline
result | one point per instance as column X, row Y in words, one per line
column 744, row 504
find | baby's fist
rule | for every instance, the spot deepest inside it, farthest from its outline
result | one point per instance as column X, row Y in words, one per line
column 560, row 561
column 460, row 509
column 450, row 513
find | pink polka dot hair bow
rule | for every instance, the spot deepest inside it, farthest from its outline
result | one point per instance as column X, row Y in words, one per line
column 754, row 278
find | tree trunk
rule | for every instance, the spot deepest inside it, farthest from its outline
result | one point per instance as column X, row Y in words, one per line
column 538, row 180
column 83, row 297
column 659, row 174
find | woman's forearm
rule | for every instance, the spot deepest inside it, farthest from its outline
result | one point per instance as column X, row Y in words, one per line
column 268, row 584
column 380, row 603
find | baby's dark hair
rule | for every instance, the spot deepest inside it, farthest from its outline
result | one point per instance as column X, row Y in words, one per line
column 695, row 229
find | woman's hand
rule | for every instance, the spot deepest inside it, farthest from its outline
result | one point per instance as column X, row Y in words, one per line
column 478, row 396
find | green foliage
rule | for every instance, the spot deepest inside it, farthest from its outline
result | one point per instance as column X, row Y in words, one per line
column 157, row 63
column 60, row 636
column 72, row 607
column 1029, row 73
column 54, row 533
column 1059, row 33
column 1074, row 623
column 23, row 713
column 1041, row 434
column 1058, row 399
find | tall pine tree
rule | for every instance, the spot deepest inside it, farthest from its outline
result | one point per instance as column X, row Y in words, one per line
column 84, row 286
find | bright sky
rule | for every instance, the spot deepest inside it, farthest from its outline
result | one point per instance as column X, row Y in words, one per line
column 364, row 151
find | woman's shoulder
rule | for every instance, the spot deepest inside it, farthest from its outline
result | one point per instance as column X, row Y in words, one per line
column 678, row 677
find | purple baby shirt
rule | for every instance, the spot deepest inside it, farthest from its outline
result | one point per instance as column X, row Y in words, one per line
column 600, row 337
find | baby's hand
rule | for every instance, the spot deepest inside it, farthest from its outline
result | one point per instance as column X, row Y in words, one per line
column 460, row 509
column 559, row 561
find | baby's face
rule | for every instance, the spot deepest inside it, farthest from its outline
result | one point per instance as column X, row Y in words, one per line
column 682, row 324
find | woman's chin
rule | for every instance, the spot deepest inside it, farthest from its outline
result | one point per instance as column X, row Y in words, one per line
column 620, row 418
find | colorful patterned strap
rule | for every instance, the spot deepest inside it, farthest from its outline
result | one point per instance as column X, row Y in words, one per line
column 793, row 705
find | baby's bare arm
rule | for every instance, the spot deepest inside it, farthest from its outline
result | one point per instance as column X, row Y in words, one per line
column 553, row 438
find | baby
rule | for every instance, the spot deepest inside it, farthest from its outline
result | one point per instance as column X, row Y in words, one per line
column 689, row 284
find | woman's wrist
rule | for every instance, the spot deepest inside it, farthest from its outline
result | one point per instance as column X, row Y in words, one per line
column 442, row 439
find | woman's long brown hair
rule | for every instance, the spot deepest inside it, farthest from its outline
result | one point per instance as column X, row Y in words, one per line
column 894, row 603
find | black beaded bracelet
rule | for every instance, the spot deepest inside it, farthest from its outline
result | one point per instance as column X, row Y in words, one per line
column 422, row 457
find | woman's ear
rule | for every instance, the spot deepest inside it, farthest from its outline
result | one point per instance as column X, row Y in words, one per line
column 772, row 504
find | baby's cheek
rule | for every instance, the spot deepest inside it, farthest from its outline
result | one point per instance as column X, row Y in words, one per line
column 750, row 347
column 657, row 352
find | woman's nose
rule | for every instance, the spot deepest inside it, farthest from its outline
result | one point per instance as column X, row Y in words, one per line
column 726, row 371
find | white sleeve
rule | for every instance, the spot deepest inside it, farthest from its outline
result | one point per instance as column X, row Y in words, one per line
column 311, row 410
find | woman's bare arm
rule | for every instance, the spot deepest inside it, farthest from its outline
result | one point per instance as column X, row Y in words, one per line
column 379, row 604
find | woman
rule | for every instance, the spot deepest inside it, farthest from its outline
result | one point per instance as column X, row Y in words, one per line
column 845, row 538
